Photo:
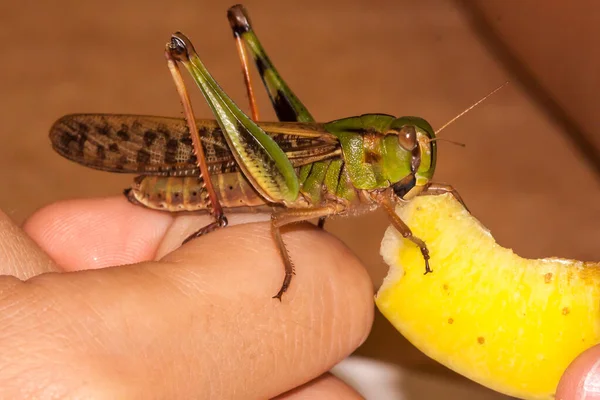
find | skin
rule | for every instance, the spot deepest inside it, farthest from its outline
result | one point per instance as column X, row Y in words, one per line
column 582, row 378
column 198, row 323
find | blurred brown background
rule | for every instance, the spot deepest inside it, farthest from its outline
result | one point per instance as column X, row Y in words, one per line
column 530, row 168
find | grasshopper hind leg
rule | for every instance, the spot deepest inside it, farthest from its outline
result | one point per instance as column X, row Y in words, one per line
column 321, row 223
column 220, row 222
column 286, row 104
column 243, row 54
column 204, row 177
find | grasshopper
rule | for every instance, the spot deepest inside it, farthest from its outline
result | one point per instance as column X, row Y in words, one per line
column 296, row 169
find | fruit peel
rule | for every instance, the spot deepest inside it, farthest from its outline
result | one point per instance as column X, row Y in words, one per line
column 509, row 323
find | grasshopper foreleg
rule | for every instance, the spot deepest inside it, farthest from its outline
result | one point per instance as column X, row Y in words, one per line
column 406, row 232
column 434, row 189
column 285, row 217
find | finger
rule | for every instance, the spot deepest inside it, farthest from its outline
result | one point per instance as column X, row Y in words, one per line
column 97, row 233
column 185, row 225
column 581, row 380
column 202, row 320
column 19, row 255
column 326, row 387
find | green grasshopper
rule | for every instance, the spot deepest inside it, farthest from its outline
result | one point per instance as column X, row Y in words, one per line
column 296, row 168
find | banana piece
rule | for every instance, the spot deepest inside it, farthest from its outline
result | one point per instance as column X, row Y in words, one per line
column 509, row 323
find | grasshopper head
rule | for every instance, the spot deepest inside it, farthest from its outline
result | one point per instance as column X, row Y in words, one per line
column 415, row 136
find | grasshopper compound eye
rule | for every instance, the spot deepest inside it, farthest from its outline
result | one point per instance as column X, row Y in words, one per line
column 407, row 129
column 407, row 137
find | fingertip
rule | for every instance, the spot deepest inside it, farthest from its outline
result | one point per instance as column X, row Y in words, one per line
column 326, row 313
column 349, row 285
column 324, row 266
column 96, row 233
column 324, row 387
column 581, row 380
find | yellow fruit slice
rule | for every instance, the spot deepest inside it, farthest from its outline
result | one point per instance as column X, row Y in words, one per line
column 509, row 323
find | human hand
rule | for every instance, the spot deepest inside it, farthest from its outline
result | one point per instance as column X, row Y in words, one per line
column 198, row 323
column 581, row 380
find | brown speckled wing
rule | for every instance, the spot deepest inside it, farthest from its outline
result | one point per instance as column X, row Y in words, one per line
column 146, row 145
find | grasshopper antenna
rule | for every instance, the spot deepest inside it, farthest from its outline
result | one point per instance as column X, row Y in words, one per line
column 437, row 139
column 471, row 107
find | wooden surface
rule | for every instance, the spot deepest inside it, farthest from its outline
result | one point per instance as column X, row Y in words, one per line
column 520, row 174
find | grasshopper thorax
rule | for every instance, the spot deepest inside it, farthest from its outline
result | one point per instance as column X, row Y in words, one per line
column 382, row 152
